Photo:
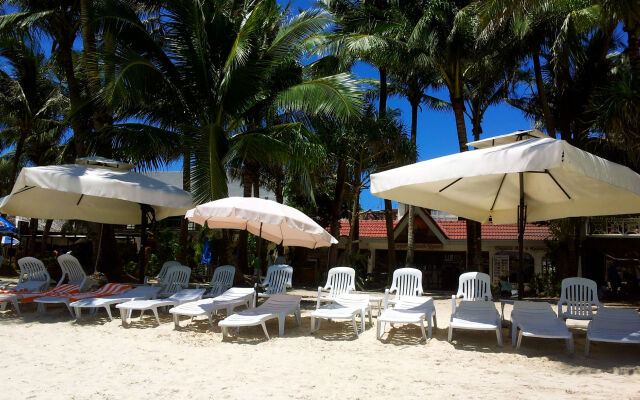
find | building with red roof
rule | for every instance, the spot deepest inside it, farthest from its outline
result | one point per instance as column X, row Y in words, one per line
column 441, row 244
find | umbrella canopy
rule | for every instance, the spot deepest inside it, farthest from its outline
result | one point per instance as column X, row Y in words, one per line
column 8, row 240
column 6, row 226
column 92, row 193
column 265, row 218
column 558, row 180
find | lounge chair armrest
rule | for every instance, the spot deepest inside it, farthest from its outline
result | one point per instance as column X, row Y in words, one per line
column 560, row 309
column 386, row 298
column 319, row 294
column 453, row 305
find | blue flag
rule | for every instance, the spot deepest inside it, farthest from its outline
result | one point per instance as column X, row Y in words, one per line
column 206, row 253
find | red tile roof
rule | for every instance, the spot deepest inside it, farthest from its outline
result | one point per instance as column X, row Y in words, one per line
column 454, row 230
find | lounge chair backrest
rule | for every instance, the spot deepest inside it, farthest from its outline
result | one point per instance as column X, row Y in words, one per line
column 165, row 268
column 186, row 295
column 340, row 280
column 72, row 271
column 278, row 279
column 579, row 294
column 176, row 279
column 406, row 282
column 34, row 270
column 474, row 286
column 222, row 279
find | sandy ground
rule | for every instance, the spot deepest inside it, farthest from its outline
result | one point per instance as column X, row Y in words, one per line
column 54, row 357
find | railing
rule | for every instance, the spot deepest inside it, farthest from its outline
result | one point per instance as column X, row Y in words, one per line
column 614, row 226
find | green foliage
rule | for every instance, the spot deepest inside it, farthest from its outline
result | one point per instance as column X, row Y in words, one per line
column 546, row 284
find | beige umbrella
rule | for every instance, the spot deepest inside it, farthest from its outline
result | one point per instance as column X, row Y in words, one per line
column 265, row 218
column 529, row 180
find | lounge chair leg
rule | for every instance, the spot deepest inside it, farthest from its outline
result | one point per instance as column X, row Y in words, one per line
column 570, row 345
column 78, row 311
column 141, row 312
column 70, row 310
column 519, row 341
column 224, row 332
column 211, row 320
column 108, row 310
column 319, row 321
column 428, row 328
column 176, row 323
column 123, row 316
column 264, row 328
column 378, row 331
column 155, row 312
column 450, row 336
column 281, row 318
column 298, row 316
column 424, row 337
column 42, row 309
column 370, row 315
column 499, row 335
column 362, row 320
column 435, row 322
column 313, row 321
column 586, row 347
column 514, row 334
column 3, row 306
column 355, row 325
column 16, row 306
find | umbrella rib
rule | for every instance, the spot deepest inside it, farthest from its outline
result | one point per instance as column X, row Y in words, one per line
column 498, row 192
column 80, row 199
column 24, row 189
column 556, row 182
column 451, row 184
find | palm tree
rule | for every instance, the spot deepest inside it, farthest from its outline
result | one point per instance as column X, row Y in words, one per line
column 31, row 103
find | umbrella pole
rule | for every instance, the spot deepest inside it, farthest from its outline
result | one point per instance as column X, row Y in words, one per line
column 522, row 220
column 95, row 266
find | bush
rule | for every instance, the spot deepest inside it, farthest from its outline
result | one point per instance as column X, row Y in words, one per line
column 546, row 284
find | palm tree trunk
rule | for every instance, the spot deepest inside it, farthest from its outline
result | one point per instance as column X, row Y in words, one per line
column 382, row 107
column 542, row 96
column 65, row 56
column 474, row 244
column 45, row 234
column 411, row 234
column 184, row 223
column 388, row 210
column 336, row 208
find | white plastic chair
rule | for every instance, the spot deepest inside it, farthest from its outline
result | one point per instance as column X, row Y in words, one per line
column 474, row 286
column 163, row 270
column 537, row 319
column 477, row 316
column 72, row 271
column 277, row 306
column 613, row 325
column 229, row 300
column 407, row 282
column 221, row 281
column 34, row 276
column 340, row 280
column 181, row 297
column 277, row 281
column 580, row 295
column 176, row 279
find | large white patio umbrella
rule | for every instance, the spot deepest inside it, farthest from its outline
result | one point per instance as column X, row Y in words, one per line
column 105, row 192
column 268, row 219
column 529, row 180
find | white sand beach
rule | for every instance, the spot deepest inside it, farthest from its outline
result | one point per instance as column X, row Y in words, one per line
column 54, row 357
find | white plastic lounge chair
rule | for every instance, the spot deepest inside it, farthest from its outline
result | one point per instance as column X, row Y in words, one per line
column 221, row 281
column 347, row 306
column 163, row 271
column 68, row 298
column 276, row 306
column 536, row 319
column 229, row 300
column 407, row 282
column 340, row 280
column 476, row 315
column 176, row 279
column 614, row 325
column 473, row 286
column 72, row 271
column 409, row 310
column 580, row 295
column 28, row 297
column 33, row 278
column 136, row 293
column 183, row 296
column 277, row 281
